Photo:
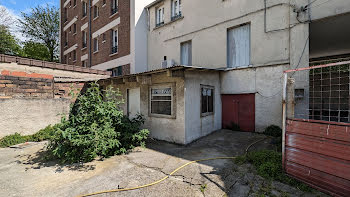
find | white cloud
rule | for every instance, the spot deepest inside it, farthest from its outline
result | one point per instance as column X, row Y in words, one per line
column 13, row 24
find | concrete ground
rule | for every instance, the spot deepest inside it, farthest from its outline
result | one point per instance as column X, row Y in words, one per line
column 23, row 172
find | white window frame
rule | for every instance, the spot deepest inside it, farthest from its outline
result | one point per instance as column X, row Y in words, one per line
column 115, row 40
column 159, row 16
column 85, row 9
column 96, row 11
column 212, row 88
column 95, row 45
column 172, row 87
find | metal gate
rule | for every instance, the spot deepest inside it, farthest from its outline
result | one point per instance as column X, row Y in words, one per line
column 316, row 126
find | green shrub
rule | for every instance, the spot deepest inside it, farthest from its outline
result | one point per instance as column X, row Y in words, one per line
column 273, row 130
column 269, row 165
column 11, row 140
column 96, row 127
column 43, row 134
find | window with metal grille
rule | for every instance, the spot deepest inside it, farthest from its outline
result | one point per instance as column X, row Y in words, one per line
column 161, row 100
column 160, row 17
column 175, row 9
column 207, row 100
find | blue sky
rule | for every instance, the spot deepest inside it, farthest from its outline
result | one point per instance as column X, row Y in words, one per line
column 18, row 6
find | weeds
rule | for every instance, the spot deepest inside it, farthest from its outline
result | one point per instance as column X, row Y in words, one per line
column 43, row 134
column 203, row 188
column 269, row 165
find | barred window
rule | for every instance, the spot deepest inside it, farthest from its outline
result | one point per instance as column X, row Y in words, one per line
column 207, row 100
column 161, row 101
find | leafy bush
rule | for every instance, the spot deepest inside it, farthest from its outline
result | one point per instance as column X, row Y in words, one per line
column 96, row 127
column 43, row 134
column 273, row 130
column 269, row 165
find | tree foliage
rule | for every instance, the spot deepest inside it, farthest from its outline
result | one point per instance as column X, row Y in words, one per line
column 96, row 127
column 42, row 25
column 36, row 50
column 8, row 42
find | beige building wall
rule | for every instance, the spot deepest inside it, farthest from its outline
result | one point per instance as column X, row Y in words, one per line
column 277, row 43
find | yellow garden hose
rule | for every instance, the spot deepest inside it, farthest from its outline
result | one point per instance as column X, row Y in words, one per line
column 173, row 172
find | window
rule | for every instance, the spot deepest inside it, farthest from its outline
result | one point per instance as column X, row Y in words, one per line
column 74, row 28
column 65, row 39
column 84, row 37
column 74, row 2
column 207, row 100
column 114, row 8
column 159, row 17
column 74, row 55
column 175, row 9
column 84, row 9
column 96, row 11
column 70, row 29
column 103, row 37
column 95, row 44
column 117, row 71
column 161, row 100
column 65, row 59
column 83, row 63
column 238, row 47
column 186, row 53
column 114, row 40
column 65, row 14
column 104, row 2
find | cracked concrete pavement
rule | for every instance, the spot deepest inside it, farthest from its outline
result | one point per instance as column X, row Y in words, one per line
column 24, row 173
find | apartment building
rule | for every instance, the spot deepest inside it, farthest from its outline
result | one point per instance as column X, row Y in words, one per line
column 97, row 34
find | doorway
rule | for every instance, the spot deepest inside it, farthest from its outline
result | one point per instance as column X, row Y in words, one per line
column 133, row 102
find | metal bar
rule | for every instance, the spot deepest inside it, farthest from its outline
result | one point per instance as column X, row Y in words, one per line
column 318, row 66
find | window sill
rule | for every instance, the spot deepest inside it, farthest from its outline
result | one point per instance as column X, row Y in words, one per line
column 95, row 52
column 168, row 23
column 74, row 61
column 84, row 17
column 74, row 33
column 104, row 5
column 162, row 116
column 103, row 41
column 113, row 54
column 113, row 14
column 95, row 18
column 66, row 46
column 207, row 114
column 84, row 48
column 74, row 6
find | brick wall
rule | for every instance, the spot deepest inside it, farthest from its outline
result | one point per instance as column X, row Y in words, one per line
column 24, row 85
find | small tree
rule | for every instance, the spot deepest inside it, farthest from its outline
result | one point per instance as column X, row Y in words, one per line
column 42, row 25
column 8, row 42
column 96, row 127
column 36, row 50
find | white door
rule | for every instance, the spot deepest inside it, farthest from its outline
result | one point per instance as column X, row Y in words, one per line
column 133, row 102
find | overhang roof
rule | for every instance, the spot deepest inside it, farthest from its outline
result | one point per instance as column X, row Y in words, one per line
column 153, row 3
column 173, row 68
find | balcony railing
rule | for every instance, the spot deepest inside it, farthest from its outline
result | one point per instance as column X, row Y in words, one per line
column 114, row 10
column 114, row 49
column 160, row 24
column 176, row 16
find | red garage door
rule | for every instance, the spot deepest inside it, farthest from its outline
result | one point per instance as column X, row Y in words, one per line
column 238, row 109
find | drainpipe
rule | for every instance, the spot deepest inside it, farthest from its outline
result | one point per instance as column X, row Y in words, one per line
column 284, row 118
column 90, row 61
